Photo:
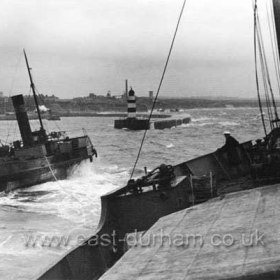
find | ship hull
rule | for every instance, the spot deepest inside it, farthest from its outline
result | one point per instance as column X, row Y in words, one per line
column 32, row 165
column 16, row 174
column 129, row 211
column 34, row 172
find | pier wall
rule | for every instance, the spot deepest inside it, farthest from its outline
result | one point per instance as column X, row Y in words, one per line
column 173, row 122
column 132, row 124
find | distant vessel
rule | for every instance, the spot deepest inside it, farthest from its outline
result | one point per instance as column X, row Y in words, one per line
column 53, row 117
column 39, row 157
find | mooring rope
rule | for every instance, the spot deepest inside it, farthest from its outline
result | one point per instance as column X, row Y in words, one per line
column 50, row 168
column 159, row 87
column 67, row 194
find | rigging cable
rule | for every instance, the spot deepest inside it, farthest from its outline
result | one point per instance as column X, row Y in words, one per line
column 256, row 66
column 159, row 87
column 275, row 42
column 264, row 78
column 29, row 105
column 266, row 71
column 273, row 45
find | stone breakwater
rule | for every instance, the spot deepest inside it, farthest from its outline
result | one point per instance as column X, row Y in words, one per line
column 173, row 122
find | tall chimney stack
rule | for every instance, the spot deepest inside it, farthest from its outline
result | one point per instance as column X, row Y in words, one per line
column 126, row 88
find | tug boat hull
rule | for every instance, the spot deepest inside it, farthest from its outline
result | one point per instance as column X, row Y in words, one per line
column 31, row 169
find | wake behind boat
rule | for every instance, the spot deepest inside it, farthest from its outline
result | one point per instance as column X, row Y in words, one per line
column 39, row 157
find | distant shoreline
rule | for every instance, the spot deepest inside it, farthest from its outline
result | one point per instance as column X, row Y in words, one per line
column 113, row 114
column 102, row 106
column 91, row 114
column 157, row 115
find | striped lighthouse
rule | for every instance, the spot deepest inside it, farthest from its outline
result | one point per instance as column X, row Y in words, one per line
column 131, row 122
column 131, row 104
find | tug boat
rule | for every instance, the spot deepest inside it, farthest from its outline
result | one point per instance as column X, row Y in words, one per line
column 39, row 157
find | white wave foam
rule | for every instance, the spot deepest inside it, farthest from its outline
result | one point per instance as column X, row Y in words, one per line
column 76, row 199
column 201, row 124
column 183, row 125
column 228, row 123
column 171, row 145
column 202, row 119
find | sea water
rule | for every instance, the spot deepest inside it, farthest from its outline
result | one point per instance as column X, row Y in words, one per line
column 42, row 223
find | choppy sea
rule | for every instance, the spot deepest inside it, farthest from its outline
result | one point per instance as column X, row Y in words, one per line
column 41, row 223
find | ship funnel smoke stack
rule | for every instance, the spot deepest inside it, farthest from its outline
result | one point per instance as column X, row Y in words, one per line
column 22, row 119
column 131, row 104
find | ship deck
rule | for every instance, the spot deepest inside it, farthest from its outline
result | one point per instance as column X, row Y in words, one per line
column 231, row 237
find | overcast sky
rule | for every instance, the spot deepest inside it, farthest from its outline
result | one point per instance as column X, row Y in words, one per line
column 80, row 46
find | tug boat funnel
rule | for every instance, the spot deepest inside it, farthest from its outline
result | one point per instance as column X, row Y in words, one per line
column 22, row 119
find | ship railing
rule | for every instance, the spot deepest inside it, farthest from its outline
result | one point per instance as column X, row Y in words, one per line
column 57, row 135
column 62, row 135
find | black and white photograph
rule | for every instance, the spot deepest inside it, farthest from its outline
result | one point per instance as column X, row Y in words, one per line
column 139, row 139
